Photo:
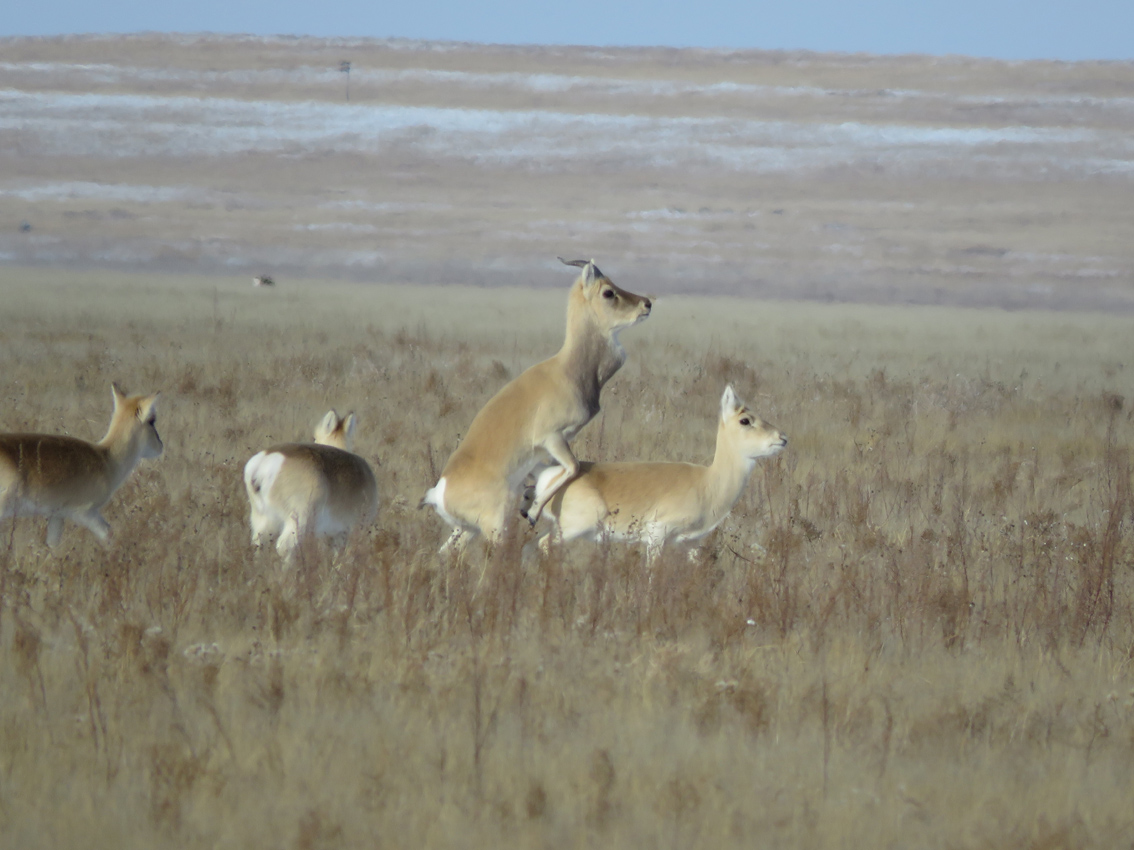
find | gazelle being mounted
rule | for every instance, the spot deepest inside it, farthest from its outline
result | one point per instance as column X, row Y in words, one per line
column 531, row 420
column 658, row 503
column 317, row 488
column 67, row 478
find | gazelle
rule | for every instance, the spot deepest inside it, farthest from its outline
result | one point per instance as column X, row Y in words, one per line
column 263, row 280
column 318, row 488
column 658, row 503
column 531, row 420
column 67, row 478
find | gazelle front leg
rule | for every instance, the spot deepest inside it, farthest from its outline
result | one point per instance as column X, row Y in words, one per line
column 557, row 447
column 654, row 537
column 548, row 540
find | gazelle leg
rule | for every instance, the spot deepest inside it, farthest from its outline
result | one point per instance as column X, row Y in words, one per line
column 290, row 537
column 54, row 531
column 557, row 447
column 457, row 541
column 94, row 521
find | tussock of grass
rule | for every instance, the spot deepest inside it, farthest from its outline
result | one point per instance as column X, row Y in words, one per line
column 915, row 629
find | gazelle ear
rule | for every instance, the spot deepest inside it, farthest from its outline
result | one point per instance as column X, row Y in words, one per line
column 328, row 425
column 590, row 272
column 348, row 426
column 729, row 402
column 117, row 394
column 590, row 275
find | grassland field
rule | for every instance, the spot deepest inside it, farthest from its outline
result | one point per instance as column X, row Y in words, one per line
column 915, row 630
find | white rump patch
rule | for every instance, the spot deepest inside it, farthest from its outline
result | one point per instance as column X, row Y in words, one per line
column 260, row 474
column 436, row 497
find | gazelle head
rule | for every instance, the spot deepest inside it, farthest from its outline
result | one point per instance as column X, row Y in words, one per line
column 611, row 307
column 336, row 432
column 751, row 436
column 135, row 419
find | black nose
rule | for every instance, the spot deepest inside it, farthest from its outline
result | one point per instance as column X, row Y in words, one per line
column 649, row 304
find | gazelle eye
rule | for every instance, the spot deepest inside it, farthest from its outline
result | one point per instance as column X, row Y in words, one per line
column 608, row 293
column 745, row 421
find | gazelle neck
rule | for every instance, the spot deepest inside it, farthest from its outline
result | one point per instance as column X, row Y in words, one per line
column 590, row 353
column 123, row 448
column 728, row 473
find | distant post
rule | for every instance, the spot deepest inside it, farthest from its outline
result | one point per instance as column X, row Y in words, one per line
column 344, row 67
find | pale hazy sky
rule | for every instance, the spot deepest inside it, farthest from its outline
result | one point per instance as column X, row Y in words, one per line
column 1006, row 29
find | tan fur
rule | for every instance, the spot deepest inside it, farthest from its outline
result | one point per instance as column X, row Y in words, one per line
column 658, row 503
column 296, row 489
column 67, row 478
column 532, row 419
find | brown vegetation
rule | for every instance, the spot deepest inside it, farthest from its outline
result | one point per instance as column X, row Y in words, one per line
column 932, row 648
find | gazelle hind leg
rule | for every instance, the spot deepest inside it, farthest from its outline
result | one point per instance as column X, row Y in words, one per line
column 95, row 522
column 54, row 531
column 457, row 541
column 290, row 537
column 261, row 527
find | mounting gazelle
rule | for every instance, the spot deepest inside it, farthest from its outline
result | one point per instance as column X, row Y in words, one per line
column 67, row 478
column 531, row 420
column 657, row 503
column 318, row 488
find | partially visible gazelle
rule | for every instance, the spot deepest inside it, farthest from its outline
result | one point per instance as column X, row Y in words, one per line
column 532, row 419
column 659, row 503
column 67, row 478
column 319, row 488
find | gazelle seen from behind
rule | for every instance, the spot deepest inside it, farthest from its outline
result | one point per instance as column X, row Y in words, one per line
column 660, row 503
column 532, row 419
column 65, row 478
column 319, row 488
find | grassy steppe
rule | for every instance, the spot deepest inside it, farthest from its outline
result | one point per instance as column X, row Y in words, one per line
column 933, row 647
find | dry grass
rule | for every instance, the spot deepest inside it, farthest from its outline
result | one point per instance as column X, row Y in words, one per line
column 934, row 650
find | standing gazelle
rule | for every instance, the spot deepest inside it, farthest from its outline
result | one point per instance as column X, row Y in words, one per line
column 532, row 418
column 67, row 478
column 658, row 503
column 317, row 488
